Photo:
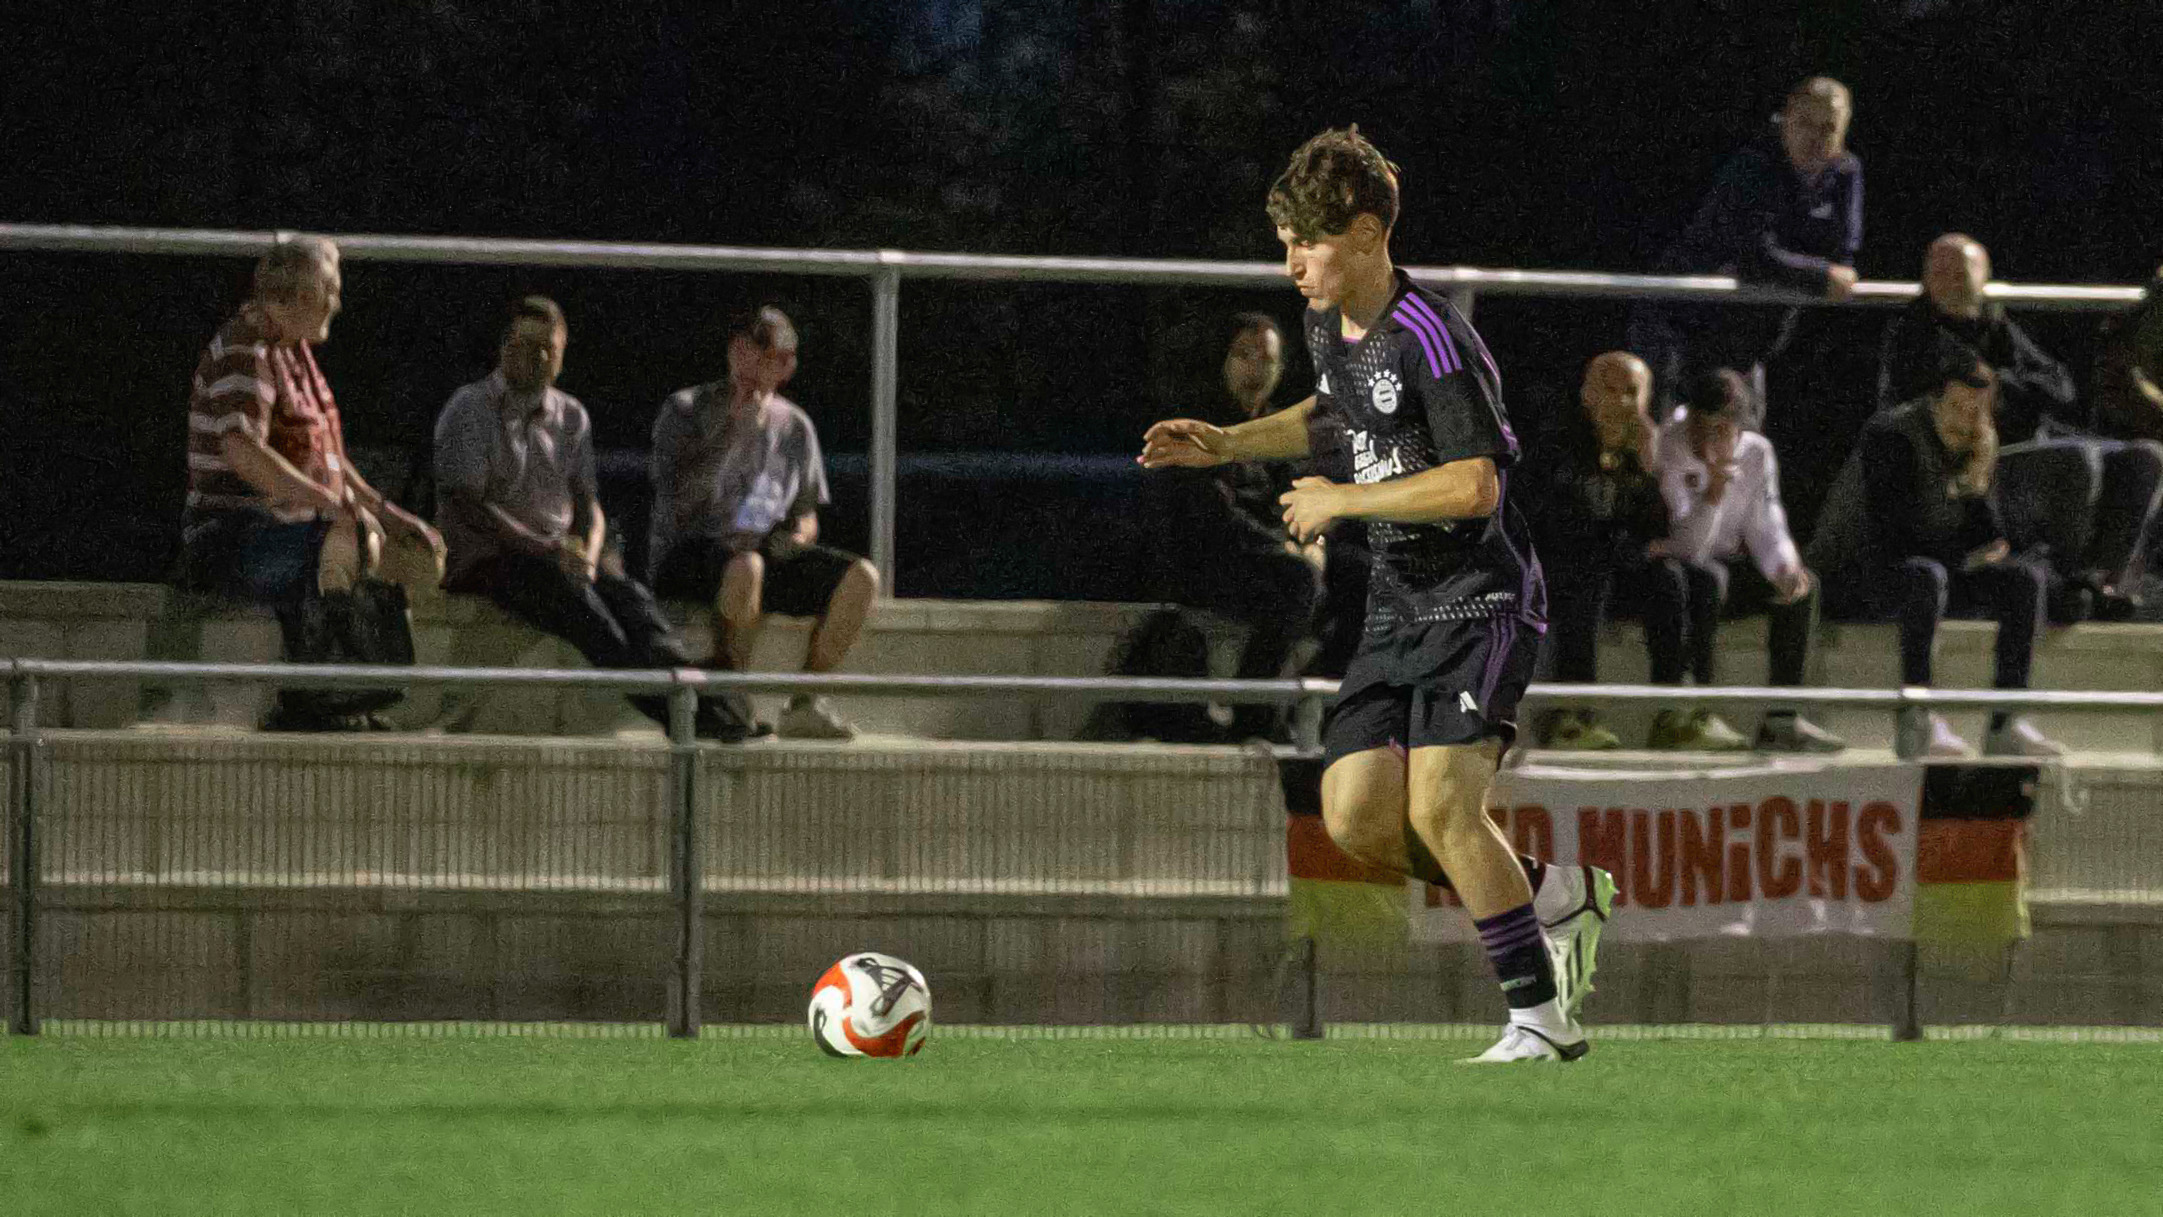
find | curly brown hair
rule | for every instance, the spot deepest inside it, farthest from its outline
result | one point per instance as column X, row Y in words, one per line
column 1332, row 180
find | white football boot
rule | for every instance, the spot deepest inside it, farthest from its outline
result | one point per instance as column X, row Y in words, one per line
column 1521, row 1043
column 1573, row 905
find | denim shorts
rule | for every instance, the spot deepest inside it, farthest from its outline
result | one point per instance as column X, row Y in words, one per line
column 247, row 555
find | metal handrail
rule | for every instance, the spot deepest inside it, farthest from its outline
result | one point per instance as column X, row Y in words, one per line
column 1132, row 688
column 886, row 268
column 911, row 264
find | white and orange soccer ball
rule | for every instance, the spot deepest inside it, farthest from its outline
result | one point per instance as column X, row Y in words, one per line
column 870, row 1005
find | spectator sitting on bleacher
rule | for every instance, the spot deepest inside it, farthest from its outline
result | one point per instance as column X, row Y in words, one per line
column 519, row 505
column 1910, row 532
column 276, row 514
column 738, row 479
column 2090, row 501
column 1727, row 548
column 1600, row 507
column 1256, row 575
column 2129, row 369
column 1785, row 211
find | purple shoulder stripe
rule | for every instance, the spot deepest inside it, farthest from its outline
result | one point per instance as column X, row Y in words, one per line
column 1449, row 345
column 1426, row 340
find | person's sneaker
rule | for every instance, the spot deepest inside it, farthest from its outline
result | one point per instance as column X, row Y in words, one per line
column 1520, row 1043
column 286, row 718
column 1579, row 731
column 812, row 718
column 1694, row 731
column 1573, row 905
column 1945, row 742
column 1790, row 732
column 2021, row 737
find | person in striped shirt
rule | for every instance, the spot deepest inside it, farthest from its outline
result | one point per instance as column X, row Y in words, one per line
column 275, row 511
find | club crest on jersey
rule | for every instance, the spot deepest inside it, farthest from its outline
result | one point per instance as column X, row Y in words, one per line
column 1385, row 392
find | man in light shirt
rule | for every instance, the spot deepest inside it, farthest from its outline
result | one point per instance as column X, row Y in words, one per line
column 1727, row 548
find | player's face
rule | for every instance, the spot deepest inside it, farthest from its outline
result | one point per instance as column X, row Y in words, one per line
column 1317, row 266
column 533, row 354
column 1615, row 394
column 1714, row 438
column 1954, row 274
column 1814, row 130
column 758, row 370
column 1253, row 364
column 1963, row 410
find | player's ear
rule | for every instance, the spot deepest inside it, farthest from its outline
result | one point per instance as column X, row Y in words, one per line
column 1368, row 231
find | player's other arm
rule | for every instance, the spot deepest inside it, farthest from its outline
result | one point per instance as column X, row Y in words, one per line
column 1469, row 489
column 1192, row 444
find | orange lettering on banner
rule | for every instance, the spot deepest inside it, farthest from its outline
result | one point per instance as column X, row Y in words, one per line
column 1738, row 854
column 1877, row 884
column 1827, row 848
column 1534, row 831
column 1777, row 877
column 1603, row 841
column 1654, row 892
column 1701, row 846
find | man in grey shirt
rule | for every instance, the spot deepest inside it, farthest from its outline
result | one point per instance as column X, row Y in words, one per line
column 522, row 518
column 738, row 479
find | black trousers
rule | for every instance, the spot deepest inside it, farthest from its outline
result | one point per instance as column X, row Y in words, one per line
column 613, row 621
column 2010, row 593
column 1684, row 601
column 2092, row 501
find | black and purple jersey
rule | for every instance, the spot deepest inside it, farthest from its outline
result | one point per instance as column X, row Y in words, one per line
column 1420, row 391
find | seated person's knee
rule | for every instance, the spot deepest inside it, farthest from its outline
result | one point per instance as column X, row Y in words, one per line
column 864, row 575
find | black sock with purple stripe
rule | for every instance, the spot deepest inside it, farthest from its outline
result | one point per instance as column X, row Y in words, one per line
column 1519, row 953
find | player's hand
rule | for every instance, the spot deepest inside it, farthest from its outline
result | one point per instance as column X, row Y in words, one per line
column 1185, row 443
column 1839, row 282
column 400, row 520
column 1987, row 555
column 1311, row 506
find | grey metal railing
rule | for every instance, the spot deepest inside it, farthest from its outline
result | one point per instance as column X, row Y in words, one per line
column 886, row 268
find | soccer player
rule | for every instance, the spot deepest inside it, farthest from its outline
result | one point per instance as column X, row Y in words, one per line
column 1457, row 603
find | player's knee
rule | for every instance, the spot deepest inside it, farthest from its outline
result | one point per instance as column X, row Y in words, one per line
column 1360, row 832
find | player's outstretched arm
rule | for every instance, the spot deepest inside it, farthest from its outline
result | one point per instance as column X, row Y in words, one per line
column 1188, row 443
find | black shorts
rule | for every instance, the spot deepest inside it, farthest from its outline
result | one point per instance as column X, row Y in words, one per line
column 1433, row 685
column 799, row 584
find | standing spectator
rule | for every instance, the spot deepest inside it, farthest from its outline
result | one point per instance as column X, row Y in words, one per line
column 276, row 513
column 1910, row 533
column 1728, row 548
column 2129, row 369
column 1254, row 573
column 738, row 480
column 2089, row 501
column 1601, row 509
column 1785, row 211
column 520, row 507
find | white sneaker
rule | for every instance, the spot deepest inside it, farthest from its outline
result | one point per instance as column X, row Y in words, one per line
column 2021, row 737
column 1573, row 905
column 1944, row 741
column 1522, row 1043
column 813, row 719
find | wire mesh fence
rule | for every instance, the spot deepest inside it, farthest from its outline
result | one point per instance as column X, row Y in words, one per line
column 227, row 883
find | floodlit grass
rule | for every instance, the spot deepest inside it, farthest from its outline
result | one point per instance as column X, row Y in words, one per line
column 765, row 1125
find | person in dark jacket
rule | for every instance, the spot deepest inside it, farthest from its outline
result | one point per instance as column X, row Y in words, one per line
column 2129, row 369
column 1259, row 576
column 1785, row 211
column 2088, row 502
column 1910, row 533
column 1600, row 508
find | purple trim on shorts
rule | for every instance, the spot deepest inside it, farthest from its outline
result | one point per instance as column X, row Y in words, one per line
column 1449, row 344
column 1505, row 637
column 1426, row 342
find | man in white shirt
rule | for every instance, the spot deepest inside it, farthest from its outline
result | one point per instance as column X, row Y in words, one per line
column 1727, row 548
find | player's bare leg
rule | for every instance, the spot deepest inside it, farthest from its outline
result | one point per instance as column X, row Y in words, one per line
column 1363, row 807
column 1446, row 803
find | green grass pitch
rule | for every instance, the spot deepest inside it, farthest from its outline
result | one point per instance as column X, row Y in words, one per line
column 763, row 1124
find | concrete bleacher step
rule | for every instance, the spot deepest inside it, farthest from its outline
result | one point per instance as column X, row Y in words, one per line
column 132, row 621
